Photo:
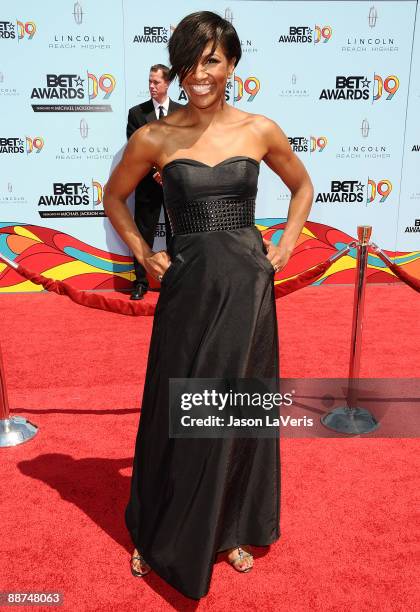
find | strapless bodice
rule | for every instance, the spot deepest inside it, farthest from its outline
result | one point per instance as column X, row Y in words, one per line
column 200, row 198
column 188, row 179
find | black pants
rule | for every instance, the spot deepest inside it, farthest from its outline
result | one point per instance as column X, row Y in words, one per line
column 146, row 217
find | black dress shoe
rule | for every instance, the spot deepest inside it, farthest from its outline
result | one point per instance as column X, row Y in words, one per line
column 138, row 292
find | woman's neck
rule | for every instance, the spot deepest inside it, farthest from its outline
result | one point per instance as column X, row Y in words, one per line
column 204, row 117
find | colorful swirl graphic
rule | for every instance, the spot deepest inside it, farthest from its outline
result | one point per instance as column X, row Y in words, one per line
column 317, row 242
column 63, row 257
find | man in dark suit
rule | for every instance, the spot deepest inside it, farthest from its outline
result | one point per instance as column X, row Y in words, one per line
column 149, row 194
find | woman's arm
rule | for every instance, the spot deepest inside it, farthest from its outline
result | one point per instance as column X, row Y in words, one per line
column 285, row 163
column 136, row 162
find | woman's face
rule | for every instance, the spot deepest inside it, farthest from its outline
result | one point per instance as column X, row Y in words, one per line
column 206, row 83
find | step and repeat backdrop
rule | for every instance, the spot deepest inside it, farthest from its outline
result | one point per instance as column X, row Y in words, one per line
column 342, row 79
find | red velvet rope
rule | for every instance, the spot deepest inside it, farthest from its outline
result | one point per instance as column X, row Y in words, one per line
column 412, row 282
column 302, row 280
column 92, row 300
column 142, row 307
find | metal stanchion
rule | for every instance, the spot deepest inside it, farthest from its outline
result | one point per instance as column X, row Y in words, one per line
column 13, row 429
column 352, row 419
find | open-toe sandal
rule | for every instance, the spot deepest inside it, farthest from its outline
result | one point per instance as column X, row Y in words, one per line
column 237, row 561
column 139, row 574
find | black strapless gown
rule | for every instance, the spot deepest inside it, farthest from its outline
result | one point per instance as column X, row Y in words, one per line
column 215, row 317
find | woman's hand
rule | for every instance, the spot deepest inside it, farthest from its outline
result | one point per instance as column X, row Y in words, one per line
column 278, row 256
column 157, row 264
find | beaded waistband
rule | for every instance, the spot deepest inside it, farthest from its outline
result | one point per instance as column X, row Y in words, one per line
column 208, row 216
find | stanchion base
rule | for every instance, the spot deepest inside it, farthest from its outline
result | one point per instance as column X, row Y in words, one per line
column 350, row 420
column 16, row 430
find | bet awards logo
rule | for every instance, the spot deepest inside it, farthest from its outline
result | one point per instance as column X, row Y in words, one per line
column 358, row 88
column 17, row 31
column 348, row 88
column 299, row 144
column 153, row 34
column 313, row 144
column 11, row 145
column 355, row 192
column 413, row 228
column 19, row 145
column 68, row 87
column 342, row 192
column 307, row 35
column 7, row 29
column 84, row 200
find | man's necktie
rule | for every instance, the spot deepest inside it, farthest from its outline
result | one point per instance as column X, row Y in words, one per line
column 161, row 113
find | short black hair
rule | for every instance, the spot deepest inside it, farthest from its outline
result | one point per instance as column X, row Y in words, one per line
column 191, row 36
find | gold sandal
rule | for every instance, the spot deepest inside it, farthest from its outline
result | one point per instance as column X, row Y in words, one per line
column 242, row 554
column 135, row 572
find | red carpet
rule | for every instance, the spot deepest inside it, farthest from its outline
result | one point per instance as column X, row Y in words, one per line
column 348, row 505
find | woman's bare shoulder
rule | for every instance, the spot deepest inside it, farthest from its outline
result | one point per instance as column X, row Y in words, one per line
column 261, row 129
column 146, row 141
column 258, row 123
column 158, row 129
column 263, row 124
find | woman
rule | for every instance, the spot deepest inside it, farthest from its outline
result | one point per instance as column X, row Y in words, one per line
column 215, row 316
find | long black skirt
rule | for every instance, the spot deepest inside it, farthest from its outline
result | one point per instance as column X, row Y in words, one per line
column 192, row 498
